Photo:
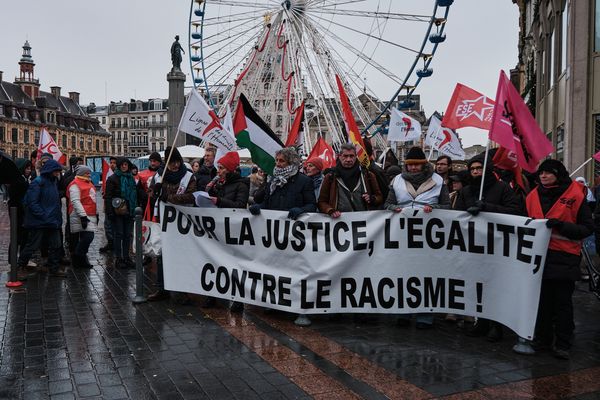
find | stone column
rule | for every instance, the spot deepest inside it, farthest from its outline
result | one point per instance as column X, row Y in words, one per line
column 176, row 80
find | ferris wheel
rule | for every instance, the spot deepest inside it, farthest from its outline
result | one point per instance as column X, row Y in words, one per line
column 281, row 53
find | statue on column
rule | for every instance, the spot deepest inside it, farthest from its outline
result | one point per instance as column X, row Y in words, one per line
column 176, row 51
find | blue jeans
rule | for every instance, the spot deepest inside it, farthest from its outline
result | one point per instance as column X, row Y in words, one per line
column 122, row 229
column 34, row 242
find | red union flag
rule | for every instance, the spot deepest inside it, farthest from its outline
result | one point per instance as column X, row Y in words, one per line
column 324, row 151
column 514, row 128
column 351, row 126
column 48, row 145
column 468, row 107
column 506, row 159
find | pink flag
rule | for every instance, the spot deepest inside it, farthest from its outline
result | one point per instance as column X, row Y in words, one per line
column 514, row 128
column 597, row 156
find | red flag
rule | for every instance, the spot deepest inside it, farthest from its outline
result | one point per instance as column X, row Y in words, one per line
column 514, row 128
column 294, row 139
column 468, row 107
column 106, row 173
column 597, row 156
column 351, row 127
column 506, row 159
column 324, row 151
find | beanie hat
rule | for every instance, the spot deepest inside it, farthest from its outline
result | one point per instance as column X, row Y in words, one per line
column 155, row 156
column 47, row 156
column 175, row 155
column 82, row 170
column 552, row 166
column 316, row 161
column 230, row 161
column 460, row 176
column 415, row 156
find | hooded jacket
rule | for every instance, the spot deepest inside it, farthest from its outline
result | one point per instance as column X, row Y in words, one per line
column 42, row 201
column 18, row 189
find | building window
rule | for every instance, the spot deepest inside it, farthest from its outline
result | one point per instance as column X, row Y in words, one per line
column 14, row 154
column 97, row 145
column 597, row 27
column 104, row 146
column 15, row 135
column 596, row 142
column 26, row 136
column 564, row 37
column 64, row 141
column 73, row 142
column 2, row 134
column 551, row 69
column 36, row 136
column 560, row 143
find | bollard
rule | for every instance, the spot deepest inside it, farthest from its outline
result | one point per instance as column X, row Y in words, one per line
column 13, row 282
column 139, row 268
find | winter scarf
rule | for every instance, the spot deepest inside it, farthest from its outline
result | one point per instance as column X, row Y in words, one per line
column 128, row 191
column 281, row 176
column 317, row 180
column 417, row 178
column 350, row 176
column 175, row 177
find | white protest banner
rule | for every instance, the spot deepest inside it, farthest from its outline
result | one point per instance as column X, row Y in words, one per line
column 487, row 266
column 201, row 121
column 444, row 140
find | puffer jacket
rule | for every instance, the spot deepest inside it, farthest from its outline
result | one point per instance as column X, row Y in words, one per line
column 233, row 193
column 42, row 200
column 74, row 196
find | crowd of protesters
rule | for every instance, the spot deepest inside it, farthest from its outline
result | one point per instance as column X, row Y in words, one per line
column 301, row 187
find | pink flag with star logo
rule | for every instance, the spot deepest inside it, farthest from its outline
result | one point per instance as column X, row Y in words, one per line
column 514, row 128
column 468, row 107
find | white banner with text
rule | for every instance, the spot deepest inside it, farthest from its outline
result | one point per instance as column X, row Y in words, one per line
column 446, row 261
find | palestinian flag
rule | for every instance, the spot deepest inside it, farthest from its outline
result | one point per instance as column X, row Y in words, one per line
column 252, row 133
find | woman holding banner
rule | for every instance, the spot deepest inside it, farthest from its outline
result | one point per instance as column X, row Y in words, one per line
column 230, row 190
column 176, row 185
column 562, row 202
column 418, row 187
column 288, row 190
column 497, row 197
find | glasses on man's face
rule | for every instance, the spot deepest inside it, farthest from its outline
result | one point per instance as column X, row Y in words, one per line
column 476, row 168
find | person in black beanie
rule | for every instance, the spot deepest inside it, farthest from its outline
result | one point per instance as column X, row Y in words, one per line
column 562, row 202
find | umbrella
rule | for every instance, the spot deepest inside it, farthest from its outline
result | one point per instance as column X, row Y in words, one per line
column 9, row 173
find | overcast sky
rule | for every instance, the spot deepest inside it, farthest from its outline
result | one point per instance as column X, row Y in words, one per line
column 119, row 49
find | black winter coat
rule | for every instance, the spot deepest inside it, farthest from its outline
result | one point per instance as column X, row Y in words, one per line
column 113, row 189
column 233, row 193
column 204, row 176
column 298, row 192
column 498, row 197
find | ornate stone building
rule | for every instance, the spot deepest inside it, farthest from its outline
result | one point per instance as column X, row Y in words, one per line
column 559, row 74
column 137, row 127
column 25, row 109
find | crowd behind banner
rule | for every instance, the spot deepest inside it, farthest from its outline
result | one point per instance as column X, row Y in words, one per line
column 296, row 188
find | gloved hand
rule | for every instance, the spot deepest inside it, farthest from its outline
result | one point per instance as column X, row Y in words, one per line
column 476, row 208
column 157, row 190
column 295, row 212
column 254, row 209
column 84, row 222
column 554, row 223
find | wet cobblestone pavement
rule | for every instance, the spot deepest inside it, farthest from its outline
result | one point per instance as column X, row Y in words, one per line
column 81, row 337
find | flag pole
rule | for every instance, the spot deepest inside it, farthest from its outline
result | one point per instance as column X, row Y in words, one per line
column 581, row 166
column 385, row 155
column 485, row 161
